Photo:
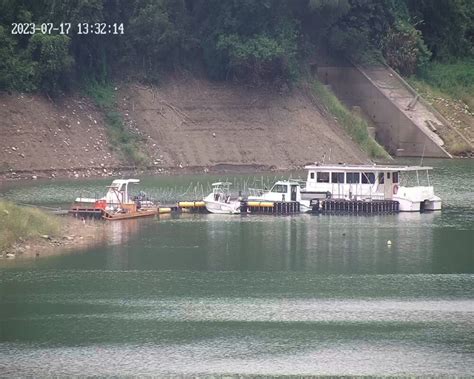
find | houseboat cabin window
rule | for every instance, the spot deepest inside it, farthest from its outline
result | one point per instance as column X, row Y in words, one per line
column 323, row 177
column 388, row 175
column 280, row 188
column 368, row 177
column 395, row 177
column 337, row 177
column 311, row 174
column 353, row 177
column 381, row 178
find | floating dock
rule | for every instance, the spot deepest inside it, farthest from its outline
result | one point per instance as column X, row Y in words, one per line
column 327, row 206
column 192, row 206
column 340, row 206
column 270, row 207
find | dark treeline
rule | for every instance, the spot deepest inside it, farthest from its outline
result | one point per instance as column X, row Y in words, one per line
column 231, row 39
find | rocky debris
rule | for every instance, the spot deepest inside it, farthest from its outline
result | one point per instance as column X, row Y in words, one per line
column 455, row 111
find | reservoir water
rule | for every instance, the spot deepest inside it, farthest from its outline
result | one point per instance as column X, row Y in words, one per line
column 250, row 295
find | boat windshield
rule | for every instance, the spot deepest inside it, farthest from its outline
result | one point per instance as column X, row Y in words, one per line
column 279, row 188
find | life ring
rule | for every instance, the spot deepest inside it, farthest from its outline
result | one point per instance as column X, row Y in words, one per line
column 395, row 189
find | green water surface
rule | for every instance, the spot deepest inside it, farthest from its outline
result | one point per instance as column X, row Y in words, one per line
column 252, row 295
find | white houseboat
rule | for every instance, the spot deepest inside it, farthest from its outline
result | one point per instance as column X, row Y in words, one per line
column 373, row 183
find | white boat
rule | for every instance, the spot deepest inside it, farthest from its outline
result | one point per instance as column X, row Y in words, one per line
column 220, row 201
column 281, row 191
column 403, row 184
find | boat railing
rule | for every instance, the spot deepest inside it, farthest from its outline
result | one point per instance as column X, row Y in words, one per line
column 370, row 197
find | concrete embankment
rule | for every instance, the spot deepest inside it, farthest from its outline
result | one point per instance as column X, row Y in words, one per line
column 404, row 122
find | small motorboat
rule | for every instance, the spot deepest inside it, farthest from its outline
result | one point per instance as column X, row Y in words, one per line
column 219, row 200
column 117, row 204
column 282, row 191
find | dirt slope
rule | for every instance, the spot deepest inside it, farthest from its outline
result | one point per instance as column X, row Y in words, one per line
column 188, row 125
column 197, row 123
column 66, row 137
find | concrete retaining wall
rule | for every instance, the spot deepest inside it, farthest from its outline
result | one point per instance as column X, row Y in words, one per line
column 396, row 129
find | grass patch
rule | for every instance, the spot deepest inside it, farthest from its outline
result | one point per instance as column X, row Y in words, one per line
column 23, row 222
column 355, row 126
column 455, row 79
column 449, row 87
column 104, row 95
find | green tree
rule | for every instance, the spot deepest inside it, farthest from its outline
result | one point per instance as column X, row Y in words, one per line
column 447, row 26
column 250, row 39
column 404, row 48
column 157, row 34
column 54, row 64
column 360, row 33
column 17, row 71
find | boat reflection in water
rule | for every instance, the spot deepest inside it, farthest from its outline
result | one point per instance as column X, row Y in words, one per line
column 325, row 244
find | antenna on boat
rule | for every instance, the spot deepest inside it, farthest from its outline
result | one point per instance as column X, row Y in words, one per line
column 422, row 155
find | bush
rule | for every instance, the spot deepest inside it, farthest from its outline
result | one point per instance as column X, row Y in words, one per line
column 404, row 49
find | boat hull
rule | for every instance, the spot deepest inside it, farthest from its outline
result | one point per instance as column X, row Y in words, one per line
column 129, row 215
column 407, row 205
column 218, row 207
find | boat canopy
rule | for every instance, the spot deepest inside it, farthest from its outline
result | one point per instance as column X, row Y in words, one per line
column 363, row 168
column 118, row 182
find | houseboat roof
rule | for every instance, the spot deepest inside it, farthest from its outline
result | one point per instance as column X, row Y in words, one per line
column 363, row 168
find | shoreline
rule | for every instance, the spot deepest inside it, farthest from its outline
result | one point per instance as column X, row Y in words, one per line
column 113, row 172
column 128, row 171
column 74, row 235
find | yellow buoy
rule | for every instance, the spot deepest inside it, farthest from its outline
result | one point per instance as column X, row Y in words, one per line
column 266, row 204
column 191, row 204
column 164, row 210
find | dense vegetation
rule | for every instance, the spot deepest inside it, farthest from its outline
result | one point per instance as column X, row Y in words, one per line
column 253, row 40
